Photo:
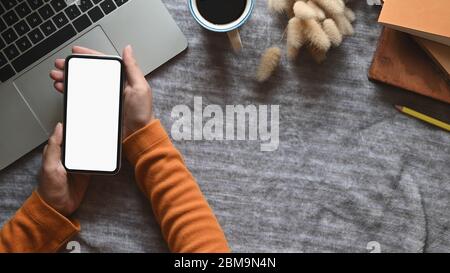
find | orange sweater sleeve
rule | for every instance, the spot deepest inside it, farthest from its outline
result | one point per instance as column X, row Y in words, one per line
column 187, row 222
column 36, row 227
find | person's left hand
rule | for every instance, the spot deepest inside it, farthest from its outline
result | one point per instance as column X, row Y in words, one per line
column 137, row 95
column 60, row 190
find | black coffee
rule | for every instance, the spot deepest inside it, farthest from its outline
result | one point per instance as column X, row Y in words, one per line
column 221, row 12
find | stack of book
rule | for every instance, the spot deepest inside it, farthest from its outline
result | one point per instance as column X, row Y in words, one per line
column 414, row 49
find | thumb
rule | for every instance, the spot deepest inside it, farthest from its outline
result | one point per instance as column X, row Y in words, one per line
column 52, row 154
column 134, row 73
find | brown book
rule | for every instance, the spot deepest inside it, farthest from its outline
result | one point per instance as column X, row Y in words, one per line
column 429, row 19
column 399, row 61
column 438, row 52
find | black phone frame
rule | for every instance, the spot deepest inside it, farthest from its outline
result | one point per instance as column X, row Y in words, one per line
column 122, row 86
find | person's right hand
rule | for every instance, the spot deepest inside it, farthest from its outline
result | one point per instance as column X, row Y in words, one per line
column 138, row 102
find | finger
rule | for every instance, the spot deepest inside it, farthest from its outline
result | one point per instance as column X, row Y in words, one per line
column 52, row 154
column 134, row 73
column 84, row 50
column 45, row 150
column 59, row 86
column 57, row 75
column 60, row 64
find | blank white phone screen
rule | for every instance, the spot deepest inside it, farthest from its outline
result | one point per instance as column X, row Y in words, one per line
column 92, row 114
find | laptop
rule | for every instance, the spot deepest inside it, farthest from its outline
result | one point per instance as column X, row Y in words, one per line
column 33, row 33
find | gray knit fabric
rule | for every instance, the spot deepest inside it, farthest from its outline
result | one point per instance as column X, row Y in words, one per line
column 349, row 169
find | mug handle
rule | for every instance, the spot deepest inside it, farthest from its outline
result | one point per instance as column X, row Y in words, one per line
column 235, row 40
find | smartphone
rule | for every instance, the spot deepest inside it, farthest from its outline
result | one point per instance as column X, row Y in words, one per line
column 92, row 141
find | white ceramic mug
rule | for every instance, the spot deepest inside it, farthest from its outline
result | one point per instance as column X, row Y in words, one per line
column 232, row 29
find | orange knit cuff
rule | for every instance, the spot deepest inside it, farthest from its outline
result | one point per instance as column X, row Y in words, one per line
column 50, row 221
column 143, row 140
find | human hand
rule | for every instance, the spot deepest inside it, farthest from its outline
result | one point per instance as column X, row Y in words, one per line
column 60, row 190
column 138, row 102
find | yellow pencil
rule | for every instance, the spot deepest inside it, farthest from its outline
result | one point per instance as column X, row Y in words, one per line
column 423, row 117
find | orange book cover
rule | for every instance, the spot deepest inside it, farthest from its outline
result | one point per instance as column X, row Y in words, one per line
column 438, row 52
column 429, row 19
column 399, row 61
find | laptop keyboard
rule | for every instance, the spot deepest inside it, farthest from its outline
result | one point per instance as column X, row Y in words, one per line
column 30, row 29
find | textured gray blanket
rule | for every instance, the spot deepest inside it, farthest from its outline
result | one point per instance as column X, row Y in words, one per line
column 350, row 174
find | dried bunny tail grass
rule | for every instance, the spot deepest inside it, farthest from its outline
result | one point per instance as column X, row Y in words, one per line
column 269, row 63
column 304, row 11
column 290, row 11
column 343, row 24
column 320, row 15
column 316, row 36
column 292, row 52
column 279, row 6
column 331, row 6
column 295, row 37
column 318, row 55
column 341, row 3
column 349, row 14
column 330, row 28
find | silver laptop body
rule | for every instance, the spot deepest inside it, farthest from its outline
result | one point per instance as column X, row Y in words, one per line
column 29, row 105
